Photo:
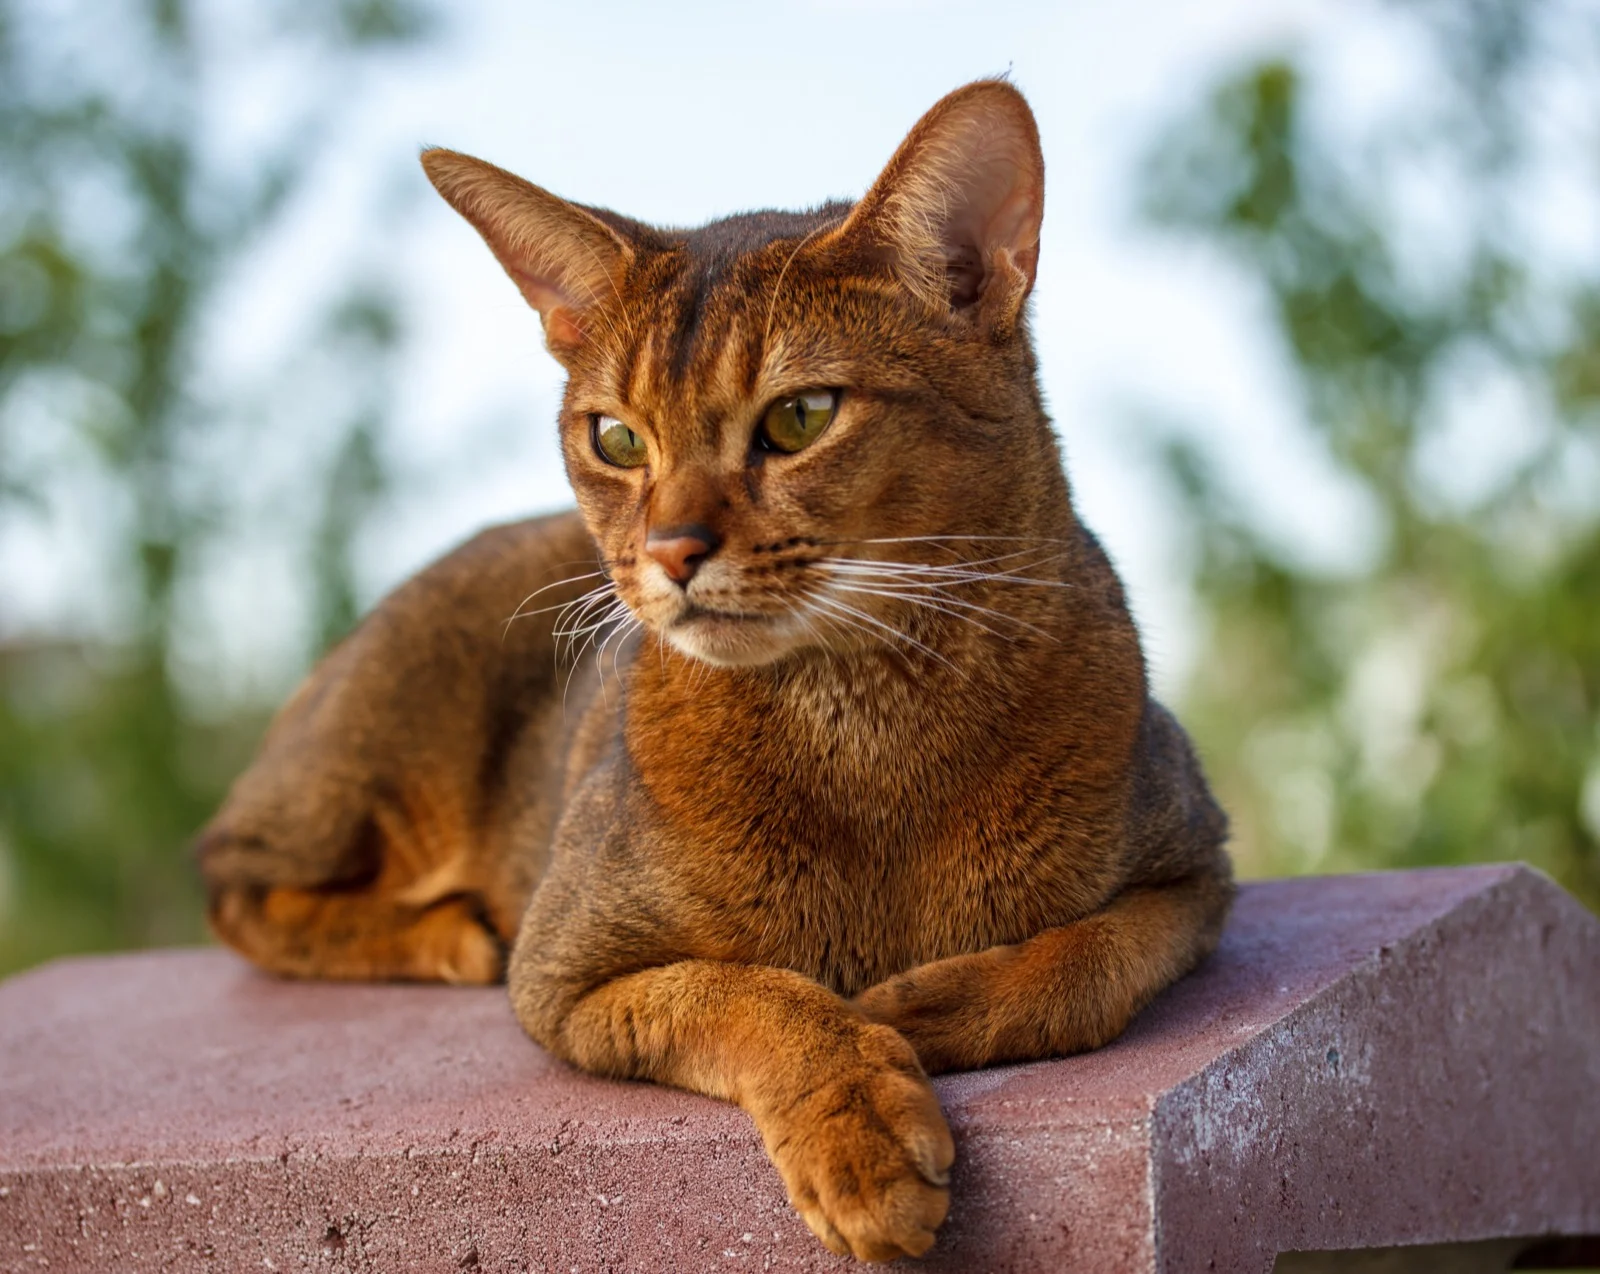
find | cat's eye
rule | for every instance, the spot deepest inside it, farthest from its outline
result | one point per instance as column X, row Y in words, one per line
column 616, row 444
column 792, row 423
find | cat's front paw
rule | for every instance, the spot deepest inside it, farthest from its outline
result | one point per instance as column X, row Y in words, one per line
column 866, row 1154
column 943, row 1010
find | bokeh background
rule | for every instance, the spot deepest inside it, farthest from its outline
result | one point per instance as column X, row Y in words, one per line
column 1318, row 314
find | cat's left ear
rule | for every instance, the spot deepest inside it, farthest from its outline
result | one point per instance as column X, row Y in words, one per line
column 957, row 211
column 567, row 263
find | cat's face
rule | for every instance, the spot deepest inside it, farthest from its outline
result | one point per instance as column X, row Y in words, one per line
column 753, row 431
column 767, row 420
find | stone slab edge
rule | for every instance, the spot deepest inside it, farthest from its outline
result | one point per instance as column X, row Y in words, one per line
column 1445, row 1090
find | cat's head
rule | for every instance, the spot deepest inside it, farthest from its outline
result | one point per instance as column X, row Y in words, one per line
column 767, row 418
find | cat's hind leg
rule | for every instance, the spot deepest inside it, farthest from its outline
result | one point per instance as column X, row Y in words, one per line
column 347, row 851
column 393, row 824
column 400, row 920
column 355, row 936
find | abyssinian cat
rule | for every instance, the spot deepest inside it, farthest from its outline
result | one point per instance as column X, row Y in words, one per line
column 865, row 783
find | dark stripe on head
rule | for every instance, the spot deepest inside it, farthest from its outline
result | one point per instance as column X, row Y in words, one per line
column 702, row 278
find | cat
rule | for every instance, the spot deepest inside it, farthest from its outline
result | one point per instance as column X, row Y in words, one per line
column 865, row 782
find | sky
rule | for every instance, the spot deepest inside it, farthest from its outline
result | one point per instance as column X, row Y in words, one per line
column 678, row 113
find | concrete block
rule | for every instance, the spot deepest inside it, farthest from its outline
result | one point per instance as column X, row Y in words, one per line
column 1409, row 1058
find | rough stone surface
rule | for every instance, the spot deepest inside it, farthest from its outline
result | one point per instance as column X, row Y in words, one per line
column 1410, row 1058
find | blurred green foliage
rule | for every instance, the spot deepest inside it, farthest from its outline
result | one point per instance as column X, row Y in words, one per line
column 1438, row 701
column 122, row 219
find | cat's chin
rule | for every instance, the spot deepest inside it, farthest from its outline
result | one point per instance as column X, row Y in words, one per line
column 735, row 641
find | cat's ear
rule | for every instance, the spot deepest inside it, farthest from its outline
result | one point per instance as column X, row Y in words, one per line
column 564, row 260
column 957, row 211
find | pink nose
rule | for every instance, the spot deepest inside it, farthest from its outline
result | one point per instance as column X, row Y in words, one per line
column 681, row 549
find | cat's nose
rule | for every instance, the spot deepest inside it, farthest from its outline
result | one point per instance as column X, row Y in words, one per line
column 681, row 549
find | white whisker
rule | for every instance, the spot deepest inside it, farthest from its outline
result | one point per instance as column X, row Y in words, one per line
column 962, row 564
column 935, row 539
column 590, row 631
column 519, row 613
column 626, row 629
column 834, row 603
column 583, row 611
column 914, row 573
column 952, row 606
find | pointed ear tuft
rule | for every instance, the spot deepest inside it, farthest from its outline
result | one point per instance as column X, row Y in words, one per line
column 565, row 261
column 957, row 211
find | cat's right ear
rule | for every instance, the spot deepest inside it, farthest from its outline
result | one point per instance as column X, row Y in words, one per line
column 565, row 261
column 956, row 213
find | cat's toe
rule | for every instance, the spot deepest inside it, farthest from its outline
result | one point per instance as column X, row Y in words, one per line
column 460, row 950
column 866, row 1157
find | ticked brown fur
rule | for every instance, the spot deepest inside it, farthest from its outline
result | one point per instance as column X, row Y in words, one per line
column 877, row 791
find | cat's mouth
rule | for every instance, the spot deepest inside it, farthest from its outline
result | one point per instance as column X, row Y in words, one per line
column 731, row 638
column 696, row 612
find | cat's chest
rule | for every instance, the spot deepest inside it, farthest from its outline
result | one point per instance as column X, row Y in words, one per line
column 858, row 909
column 853, row 847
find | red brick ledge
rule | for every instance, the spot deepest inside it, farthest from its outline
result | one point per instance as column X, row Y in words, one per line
column 1368, row 1060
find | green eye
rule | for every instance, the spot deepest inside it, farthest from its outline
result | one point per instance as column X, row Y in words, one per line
column 793, row 423
column 616, row 443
